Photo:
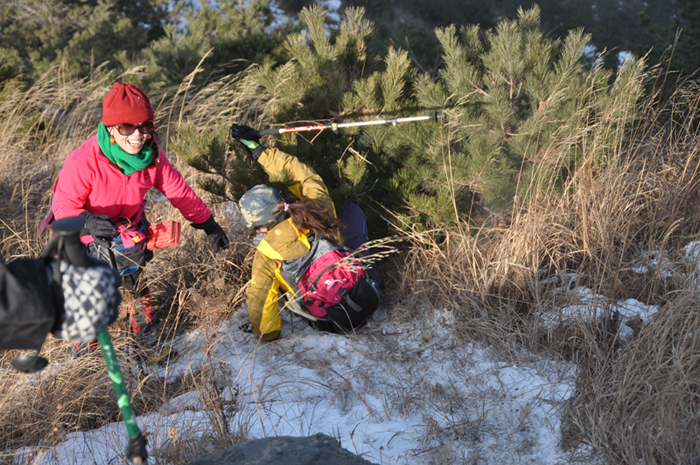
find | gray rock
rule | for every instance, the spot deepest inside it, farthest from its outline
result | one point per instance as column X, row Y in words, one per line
column 284, row 450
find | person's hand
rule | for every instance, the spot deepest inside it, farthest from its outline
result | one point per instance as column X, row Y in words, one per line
column 101, row 226
column 240, row 132
column 215, row 233
column 218, row 239
column 91, row 300
column 250, row 138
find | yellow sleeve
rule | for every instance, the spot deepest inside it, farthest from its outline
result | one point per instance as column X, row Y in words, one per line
column 262, row 298
column 301, row 179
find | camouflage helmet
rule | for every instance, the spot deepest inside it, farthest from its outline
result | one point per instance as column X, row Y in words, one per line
column 258, row 204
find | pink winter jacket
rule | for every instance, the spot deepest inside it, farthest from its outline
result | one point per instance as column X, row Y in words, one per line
column 89, row 181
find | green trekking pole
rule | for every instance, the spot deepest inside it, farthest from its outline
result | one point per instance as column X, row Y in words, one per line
column 136, row 450
column 68, row 246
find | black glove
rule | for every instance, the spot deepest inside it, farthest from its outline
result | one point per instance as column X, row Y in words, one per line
column 216, row 235
column 100, row 226
column 250, row 138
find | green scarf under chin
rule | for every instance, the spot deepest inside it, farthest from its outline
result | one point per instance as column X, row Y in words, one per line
column 125, row 161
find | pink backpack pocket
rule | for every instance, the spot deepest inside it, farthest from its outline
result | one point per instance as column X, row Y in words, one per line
column 327, row 280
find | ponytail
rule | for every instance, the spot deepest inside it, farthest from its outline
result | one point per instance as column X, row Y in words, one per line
column 313, row 215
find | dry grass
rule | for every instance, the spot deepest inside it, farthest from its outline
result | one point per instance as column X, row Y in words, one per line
column 635, row 401
column 641, row 402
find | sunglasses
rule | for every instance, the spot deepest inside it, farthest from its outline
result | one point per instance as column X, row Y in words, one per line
column 126, row 129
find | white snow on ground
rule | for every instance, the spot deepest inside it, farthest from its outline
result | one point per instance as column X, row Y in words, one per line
column 662, row 265
column 394, row 393
column 692, row 252
column 592, row 307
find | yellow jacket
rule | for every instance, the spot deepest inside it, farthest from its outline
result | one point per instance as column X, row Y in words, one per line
column 283, row 242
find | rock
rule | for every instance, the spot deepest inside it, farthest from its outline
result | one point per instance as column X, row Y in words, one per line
column 284, row 450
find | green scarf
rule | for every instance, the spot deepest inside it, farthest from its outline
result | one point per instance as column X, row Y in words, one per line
column 125, row 161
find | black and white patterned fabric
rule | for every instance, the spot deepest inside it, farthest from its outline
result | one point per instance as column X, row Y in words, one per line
column 91, row 300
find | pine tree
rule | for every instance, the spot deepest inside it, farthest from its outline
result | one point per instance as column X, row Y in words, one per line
column 231, row 35
column 688, row 55
column 523, row 110
column 36, row 35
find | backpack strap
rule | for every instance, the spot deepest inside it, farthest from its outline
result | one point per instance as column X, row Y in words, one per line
column 374, row 285
column 314, row 284
column 351, row 303
column 354, row 305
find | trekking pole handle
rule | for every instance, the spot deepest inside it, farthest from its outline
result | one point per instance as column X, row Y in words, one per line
column 72, row 250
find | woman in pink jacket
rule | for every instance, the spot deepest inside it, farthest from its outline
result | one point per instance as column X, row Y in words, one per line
column 106, row 180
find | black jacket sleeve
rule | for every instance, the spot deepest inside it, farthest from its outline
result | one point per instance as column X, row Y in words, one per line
column 26, row 307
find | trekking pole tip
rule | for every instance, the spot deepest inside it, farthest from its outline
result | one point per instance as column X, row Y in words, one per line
column 136, row 450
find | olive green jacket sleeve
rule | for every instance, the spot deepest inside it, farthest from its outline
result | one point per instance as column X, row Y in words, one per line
column 300, row 178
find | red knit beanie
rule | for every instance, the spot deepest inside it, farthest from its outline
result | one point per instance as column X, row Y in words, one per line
column 126, row 103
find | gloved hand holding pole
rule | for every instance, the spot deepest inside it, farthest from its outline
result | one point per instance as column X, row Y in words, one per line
column 68, row 247
column 250, row 138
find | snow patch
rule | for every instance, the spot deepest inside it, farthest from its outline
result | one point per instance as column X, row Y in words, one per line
column 395, row 392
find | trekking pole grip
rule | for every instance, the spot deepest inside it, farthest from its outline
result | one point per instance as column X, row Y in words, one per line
column 68, row 231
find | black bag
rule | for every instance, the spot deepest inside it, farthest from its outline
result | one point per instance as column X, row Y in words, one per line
column 358, row 304
column 126, row 260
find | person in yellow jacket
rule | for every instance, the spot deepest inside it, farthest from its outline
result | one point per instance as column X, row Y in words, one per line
column 288, row 236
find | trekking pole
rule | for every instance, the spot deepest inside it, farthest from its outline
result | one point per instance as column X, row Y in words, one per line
column 69, row 247
column 335, row 126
